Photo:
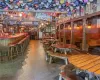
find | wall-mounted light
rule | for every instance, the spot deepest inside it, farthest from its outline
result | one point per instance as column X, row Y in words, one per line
column 69, row 28
column 89, row 27
column 77, row 27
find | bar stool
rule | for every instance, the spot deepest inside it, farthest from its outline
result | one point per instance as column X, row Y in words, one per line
column 13, row 50
column 4, row 53
column 21, row 47
column 25, row 43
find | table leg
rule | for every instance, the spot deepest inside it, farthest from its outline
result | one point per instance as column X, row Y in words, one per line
column 50, row 60
column 65, row 51
column 60, row 77
column 70, row 50
column 66, row 61
column 55, row 50
column 46, row 57
column 98, row 78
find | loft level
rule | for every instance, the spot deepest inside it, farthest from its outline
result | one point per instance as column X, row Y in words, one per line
column 80, row 18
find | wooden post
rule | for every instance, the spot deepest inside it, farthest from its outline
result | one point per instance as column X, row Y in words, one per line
column 64, row 38
column 84, row 46
column 50, row 28
column 72, row 28
column 59, row 34
column 55, row 30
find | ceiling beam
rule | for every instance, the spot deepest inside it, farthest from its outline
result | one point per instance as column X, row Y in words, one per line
column 23, row 10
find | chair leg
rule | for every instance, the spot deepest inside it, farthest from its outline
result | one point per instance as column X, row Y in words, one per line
column 1, row 58
column 46, row 57
column 21, row 49
column 17, row 49
column 11, row 54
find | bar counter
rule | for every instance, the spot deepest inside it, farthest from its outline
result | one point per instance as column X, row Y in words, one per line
column 6, row 40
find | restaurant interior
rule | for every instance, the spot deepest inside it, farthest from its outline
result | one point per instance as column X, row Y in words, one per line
column 49, row 39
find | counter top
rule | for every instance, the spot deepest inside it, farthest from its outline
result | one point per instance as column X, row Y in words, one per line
column 12, row 36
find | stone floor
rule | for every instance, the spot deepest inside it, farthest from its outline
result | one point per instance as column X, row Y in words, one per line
column 32, row 66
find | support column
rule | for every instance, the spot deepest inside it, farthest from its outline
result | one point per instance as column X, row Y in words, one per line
column 64, row 38
column 59, row 34
column 84, row 43
column 72, row 28
column 55, row 30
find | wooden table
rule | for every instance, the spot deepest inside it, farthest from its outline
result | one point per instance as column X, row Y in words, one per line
column 87, row 62
column 48, row 37
column 63, row 47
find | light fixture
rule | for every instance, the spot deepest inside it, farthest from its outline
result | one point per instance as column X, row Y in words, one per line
column 11, row 16
column 42, row 24
column 89, row 27
column 77, row 27
column 69, row 28
column 20, row 15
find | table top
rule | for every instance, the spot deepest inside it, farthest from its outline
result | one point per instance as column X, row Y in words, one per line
column 87, row 62
column 48, row 37
column 63, row 46
column 83, row 61
column 51, row 40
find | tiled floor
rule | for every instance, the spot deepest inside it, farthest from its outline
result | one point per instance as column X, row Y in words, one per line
column 34, row 66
